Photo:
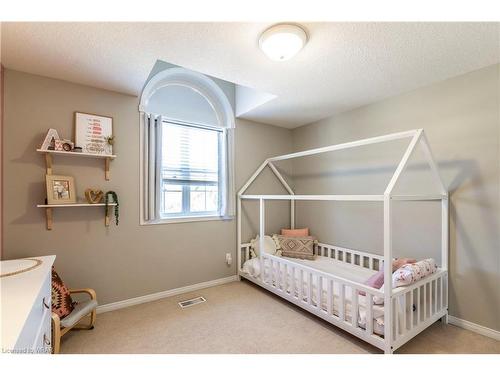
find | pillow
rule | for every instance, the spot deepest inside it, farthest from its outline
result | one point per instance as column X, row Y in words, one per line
column 62, row 303
column 295, row 232
column 377, row 280
column 413, row 272
column 400, row 262
column 408, row 274
column 296, row 247
column 270, row 246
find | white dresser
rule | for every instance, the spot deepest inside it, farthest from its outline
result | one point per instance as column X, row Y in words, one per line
column 26, row 305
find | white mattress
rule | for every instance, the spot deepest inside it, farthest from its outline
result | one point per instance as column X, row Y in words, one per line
column 336, row 268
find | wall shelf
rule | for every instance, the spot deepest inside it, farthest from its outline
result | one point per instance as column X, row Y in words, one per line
column 49, row 207
column 48, row 159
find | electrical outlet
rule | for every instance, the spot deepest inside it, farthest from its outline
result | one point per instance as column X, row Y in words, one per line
column 229, row 259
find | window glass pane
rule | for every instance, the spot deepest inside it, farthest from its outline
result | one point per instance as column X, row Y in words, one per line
column 190, row 170
column 203, row 198
column 197, row 199
column 171, row 201
column 212, row 198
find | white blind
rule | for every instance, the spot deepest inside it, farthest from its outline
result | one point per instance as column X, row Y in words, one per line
column 190, row 154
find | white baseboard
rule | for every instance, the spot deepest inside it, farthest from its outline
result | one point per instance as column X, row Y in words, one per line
column 167, row 293
column 485, row 331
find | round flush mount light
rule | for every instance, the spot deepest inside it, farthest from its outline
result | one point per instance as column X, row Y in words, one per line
column 283, row 41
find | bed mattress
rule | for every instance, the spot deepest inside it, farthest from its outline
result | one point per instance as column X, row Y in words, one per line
column 336, row 268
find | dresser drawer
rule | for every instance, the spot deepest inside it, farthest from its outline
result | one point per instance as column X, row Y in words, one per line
column 38, row 320
column 43, row 341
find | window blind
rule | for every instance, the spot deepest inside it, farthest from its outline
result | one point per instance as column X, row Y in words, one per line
column 190, row 154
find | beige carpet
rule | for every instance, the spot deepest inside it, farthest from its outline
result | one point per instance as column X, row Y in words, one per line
column 242, row 318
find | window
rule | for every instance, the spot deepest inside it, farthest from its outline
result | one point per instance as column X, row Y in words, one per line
column 190, row 170
column 187, row 166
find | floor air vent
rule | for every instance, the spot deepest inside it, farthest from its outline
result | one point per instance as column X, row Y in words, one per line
column 192, row 301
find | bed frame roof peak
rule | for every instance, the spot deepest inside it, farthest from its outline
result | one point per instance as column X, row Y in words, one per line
column 417, row 136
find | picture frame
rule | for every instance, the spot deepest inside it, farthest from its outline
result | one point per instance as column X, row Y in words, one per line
column 60, row 189
column 92, row 132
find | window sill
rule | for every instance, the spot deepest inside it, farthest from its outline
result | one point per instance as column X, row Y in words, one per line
column 189, row 219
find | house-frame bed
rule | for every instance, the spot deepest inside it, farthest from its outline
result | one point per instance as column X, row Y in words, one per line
column 406, row 311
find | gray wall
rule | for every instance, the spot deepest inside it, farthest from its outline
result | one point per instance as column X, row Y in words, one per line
column 124, row 261
column 461, row 119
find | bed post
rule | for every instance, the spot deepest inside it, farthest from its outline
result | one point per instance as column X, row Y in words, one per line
column 238, row 237
column 445, row 246
column 262, row 228
column 388, row 274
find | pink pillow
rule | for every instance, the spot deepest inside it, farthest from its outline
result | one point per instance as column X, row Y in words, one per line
column 295, row 232
column 376, row 281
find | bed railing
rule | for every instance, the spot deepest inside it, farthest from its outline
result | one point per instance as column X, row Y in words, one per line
column 418, row 305
column 341, row 254
column 340, row 301
column 354, row 257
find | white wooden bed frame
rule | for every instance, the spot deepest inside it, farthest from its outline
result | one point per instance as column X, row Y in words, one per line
column 429, row 295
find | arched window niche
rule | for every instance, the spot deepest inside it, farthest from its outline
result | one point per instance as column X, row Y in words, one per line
column 187, row 151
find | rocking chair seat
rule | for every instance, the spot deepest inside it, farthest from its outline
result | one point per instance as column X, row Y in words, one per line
column 81, row 310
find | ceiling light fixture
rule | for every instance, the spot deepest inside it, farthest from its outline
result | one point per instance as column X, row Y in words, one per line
column 283, row 41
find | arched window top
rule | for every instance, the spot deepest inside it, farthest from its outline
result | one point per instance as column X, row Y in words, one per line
column 175, row 90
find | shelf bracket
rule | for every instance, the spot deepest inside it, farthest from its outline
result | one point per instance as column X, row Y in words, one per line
column 48, row 214
column 106, row 169
column 48, row 163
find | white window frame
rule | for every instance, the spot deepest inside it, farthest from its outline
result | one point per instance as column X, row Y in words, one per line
column 223, row 110
column 222, row 139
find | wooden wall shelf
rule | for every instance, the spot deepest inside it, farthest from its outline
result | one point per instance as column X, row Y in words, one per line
column 49, row 207
column 48, row 159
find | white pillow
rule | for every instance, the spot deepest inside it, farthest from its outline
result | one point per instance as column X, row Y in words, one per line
column 412, row 272
column 270, row 246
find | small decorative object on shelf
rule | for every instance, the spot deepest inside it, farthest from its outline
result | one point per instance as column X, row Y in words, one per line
column 63, row 145
column 94, row 196
column 92, row 133
column 49, row 141
column 60, row 189
column 110, row 140
column 77, row 149
column 114, row 196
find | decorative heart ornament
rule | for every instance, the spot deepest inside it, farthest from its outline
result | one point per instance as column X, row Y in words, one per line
column 94, row 195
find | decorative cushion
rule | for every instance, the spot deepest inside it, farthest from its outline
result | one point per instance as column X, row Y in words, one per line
column 296, row 247
column 270, row 246
column 400, row 262
column 377, row 280
column 304, row 232
column 62, row 303
column 413, row 272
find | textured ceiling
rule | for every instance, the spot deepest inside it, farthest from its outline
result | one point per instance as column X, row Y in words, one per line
column 343, row 66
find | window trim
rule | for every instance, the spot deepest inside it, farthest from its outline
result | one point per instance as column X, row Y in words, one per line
column 222, row 107
column 187, row 219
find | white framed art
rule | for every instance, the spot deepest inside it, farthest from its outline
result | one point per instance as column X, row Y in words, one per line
column 94, row 133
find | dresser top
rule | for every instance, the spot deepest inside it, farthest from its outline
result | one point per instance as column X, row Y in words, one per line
column 19, row 291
